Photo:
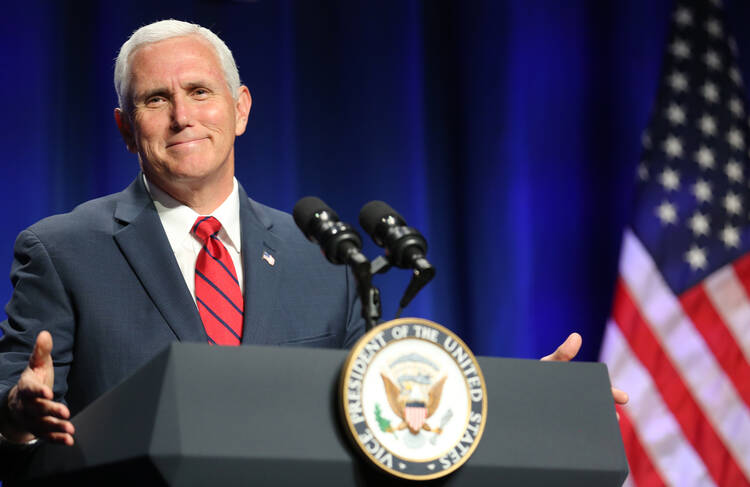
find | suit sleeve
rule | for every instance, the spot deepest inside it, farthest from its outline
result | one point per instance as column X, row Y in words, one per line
column 39, row 302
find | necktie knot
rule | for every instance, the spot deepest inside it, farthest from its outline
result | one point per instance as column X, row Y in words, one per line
column 204, row 227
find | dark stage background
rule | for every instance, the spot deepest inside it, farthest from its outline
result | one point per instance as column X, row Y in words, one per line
column 508, row 132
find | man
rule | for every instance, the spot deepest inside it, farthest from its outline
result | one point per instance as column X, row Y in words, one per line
column 117, row 279
column 100, row 290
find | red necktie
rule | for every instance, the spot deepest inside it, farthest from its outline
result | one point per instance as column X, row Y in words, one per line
column 217, row 290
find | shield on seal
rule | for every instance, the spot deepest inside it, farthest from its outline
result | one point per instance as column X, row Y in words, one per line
column 415, row 414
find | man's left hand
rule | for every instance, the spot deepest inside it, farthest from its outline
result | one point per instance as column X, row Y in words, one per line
column 567, row 352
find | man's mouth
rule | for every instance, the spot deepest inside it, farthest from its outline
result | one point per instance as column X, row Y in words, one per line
column 185, row 143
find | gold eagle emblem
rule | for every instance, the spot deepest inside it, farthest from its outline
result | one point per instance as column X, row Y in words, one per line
column 411, row 397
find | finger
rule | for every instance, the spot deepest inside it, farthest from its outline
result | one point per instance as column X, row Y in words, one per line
column 44, row 407
column 41, row 356
column 62, row 438
column 50, row 424
column 620, row 396
column 567, row 351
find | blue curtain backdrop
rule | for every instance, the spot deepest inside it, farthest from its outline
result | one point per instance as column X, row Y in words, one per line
column 507, row 131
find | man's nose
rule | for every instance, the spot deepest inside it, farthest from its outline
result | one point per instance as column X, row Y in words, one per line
column 181, row 113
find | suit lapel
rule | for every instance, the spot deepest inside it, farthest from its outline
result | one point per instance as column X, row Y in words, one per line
column 261, row 274
column 145, row 246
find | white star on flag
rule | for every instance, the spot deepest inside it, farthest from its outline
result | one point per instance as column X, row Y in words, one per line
column 707, row 125
column 735, row 106
column 710, row 92
column 698, row 223
column 670, row 179
column 667, row 213
column 680, row 49
column 730, row 236
column 642, row 172
column 678, row 81
column 696, row 257
column 712, row 60
column 713, row 26
column 646, row 140
column 735, row 139
column 734, row 73
column 733, row 203
column 676, row 114
column 673, row 146
column 705, row 157
column 734, row 171
column 683, row 17
column 702, row 191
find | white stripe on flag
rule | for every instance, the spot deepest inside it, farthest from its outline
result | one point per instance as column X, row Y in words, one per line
column 731, row 302
column 688, row 352
column 660, row 435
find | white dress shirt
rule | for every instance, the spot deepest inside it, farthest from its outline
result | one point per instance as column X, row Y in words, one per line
column 177, row 220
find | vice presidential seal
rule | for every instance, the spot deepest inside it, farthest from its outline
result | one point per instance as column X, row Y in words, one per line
column 413, row 398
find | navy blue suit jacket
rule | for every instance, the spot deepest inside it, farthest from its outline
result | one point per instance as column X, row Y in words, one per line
column 104, row 281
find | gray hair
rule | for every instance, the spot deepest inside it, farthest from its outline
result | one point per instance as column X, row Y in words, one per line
column 160, row 31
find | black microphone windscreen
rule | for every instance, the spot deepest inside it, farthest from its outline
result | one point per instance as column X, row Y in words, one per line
column 306, row 208
column 374, row 212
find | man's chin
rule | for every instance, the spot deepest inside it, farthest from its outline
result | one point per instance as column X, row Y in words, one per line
column 189, row 173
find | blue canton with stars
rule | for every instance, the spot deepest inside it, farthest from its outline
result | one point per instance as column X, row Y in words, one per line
column 693, row 192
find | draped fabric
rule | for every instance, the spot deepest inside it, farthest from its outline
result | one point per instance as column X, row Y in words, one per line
column 508, row 132
column 679, row 337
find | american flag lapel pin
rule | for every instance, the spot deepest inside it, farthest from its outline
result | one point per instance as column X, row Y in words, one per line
column 270, row 260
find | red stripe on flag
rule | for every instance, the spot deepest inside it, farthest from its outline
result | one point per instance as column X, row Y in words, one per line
column 708, row 322
column 642, row 471
column 742, row 269
column 695, row 426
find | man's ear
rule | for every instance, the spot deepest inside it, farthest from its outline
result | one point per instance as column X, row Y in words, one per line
column 126, row 130
column 242, row 110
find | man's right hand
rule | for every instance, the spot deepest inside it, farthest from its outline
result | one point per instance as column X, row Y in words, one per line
column 31, row 411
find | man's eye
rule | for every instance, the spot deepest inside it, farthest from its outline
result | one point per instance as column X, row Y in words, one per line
column 154, row 101
column 200, row 92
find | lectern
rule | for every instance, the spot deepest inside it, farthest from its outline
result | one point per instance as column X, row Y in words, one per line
column 200, row 415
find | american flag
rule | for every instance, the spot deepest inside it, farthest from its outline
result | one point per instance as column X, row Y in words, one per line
column 678, row 340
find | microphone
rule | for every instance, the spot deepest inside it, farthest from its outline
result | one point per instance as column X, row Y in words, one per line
column 341, row 244
column 404, row 246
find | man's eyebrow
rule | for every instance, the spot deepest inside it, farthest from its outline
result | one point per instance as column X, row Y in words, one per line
column 165, row 92
column 191, row 85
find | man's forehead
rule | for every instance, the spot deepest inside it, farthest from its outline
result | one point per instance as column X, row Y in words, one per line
column 184, row 49
column 190, row 58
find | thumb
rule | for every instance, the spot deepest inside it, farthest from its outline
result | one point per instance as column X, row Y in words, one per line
column 567, row 351
column 41, row 356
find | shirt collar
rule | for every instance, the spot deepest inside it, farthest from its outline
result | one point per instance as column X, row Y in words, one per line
column 177, row 218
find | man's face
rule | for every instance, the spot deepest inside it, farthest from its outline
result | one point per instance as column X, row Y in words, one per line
column 184, row 119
